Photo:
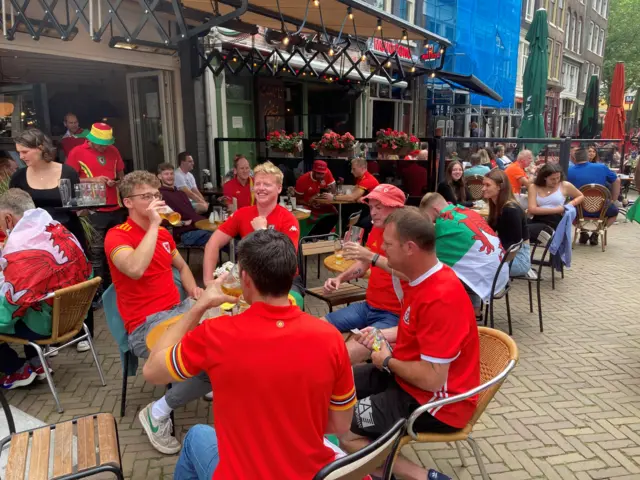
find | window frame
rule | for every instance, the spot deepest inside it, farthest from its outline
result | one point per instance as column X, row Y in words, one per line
column 586, row 77
column 601, row 43
column 529, row 10
column 579, row 36
column 591, row 28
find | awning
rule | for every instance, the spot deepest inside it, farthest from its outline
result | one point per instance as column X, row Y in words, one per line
column 332, row 14
column 467, row 82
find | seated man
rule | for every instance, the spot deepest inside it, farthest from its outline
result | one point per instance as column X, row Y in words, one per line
column 186, row 182
column 240, row 186
column 309, row 187
column 584, row 173
column 382, row 305
column 518, row 178
column 39, row 257
column 141, row 256
column 265, row 214
column 178, row 201
column 269, row 422
column 466, row 243
column 437, row 353
column 476, row 167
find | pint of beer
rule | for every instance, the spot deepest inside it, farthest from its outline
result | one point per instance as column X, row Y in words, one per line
column 231, row 285
column 170, row 216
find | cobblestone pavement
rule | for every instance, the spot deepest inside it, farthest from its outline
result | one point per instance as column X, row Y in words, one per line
column 569, row 410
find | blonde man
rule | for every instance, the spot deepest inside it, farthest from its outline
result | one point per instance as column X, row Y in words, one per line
column 265, row 214
column 141, row 256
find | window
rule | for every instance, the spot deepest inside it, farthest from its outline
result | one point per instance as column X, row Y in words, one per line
column 411, row 9
column 599, row 7
column 523, row 53
column 586, row 77
column 552, row 12
column 573, row 32
column 557, row 53
column 579, row 37
column 567, row 29
column 549, row 57
column 601, row 42
column 596, row 72
column 594, row 45
column 528, row 14
column 594, row 5
column 590, row 41
column 560, row 18
column 605, row 6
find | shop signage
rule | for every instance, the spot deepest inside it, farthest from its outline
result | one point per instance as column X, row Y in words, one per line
column 628, row 99
column 385, row 47
column 430, row 55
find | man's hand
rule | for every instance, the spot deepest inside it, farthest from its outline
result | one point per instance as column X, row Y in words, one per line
column 259, row 223
column 111, row 183
column 291, row 191
column 196, row 293
column 102, row 179
column 153, row 212
column 213, row 296
column 354, row 251
column 378, row 357
column 367, row 339
column 331, row 285
column 328, row 196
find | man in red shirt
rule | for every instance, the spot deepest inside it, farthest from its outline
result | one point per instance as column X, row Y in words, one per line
column 240, row 186
column 436, row 355
column 74, row 136
column 265, row 214
column 142, row 255
column 309, row 187
column 382, row 305
column 269, row 422
column 98, row 161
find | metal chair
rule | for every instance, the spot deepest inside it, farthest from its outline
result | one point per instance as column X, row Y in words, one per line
column 597, row 199
column 70, row 308
column 498, row 356
column 380, row 452
column 509, row 255
column 474, row 184
column 95, row 442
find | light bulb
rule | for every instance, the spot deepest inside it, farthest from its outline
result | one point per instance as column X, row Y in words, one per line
column 379, row 27
column 404, row 35
column 351, row 16
column 316, row 3
column 364, row 57
column 388, row 64
column 331, row 52
column 285, row 41
column 433, row 75
column 413, row 69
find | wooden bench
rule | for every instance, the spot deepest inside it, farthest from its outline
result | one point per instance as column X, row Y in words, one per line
column 96, row 445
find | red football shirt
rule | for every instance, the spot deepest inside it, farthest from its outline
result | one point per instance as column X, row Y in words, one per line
column 279, row 219
column 307, row 187
column 72, row 141
column 90, row 163
column 438, row 325
column 244, row 193
column 270, row 420
column 155, row 291
column 367, row 182
column 380, row 292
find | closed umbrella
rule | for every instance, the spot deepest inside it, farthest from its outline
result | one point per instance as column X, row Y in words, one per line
column 534, row 81
column 589, row 120
column 616, row 117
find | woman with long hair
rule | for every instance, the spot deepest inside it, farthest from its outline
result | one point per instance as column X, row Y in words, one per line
column 453, row 188
column 507, row 218
column 594, row 157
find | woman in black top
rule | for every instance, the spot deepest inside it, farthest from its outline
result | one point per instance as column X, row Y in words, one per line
column 454, row 189
column 507, row 218
column 40, row 180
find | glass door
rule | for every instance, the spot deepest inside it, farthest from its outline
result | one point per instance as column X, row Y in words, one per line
column 151, row 119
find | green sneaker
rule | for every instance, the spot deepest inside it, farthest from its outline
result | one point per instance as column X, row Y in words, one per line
column 159, row 431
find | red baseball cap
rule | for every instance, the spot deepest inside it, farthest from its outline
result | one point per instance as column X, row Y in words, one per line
column 387, row 195
column 320, row 166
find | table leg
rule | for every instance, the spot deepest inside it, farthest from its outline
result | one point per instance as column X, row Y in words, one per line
column 340, row 220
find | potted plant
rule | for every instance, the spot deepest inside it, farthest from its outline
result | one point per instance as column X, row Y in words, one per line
column 392, row 142
column 333, row 144
column 280, row 141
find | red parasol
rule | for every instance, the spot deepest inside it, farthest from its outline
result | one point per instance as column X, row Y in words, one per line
column 615, row 119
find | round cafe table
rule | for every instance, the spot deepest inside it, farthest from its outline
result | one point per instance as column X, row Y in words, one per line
column 332, row 266
column 206, row 225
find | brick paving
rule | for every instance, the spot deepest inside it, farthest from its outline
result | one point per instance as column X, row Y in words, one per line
column 570, row 409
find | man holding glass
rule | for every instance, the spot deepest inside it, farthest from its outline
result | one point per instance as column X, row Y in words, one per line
column 382, row 305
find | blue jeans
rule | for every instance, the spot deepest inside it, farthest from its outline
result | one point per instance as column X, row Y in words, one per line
column 199, row 457
column 10, row 361
column 522, row 262
column 195, row 238
column 361, row 315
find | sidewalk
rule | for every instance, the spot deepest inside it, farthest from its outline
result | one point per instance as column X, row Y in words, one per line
column 570, row 410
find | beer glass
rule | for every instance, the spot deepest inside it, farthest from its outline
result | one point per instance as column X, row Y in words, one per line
column 231, row 285
column 354, row 235
column 170, row 216
column 337, row 247
column 64, row 185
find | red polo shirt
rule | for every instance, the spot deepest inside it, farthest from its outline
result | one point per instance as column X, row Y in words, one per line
column 155, row 291
column 380, row 292
column 270, row 421
column 244, row 193
column 72, row 141
column 90, row 163
column 279, row 219
column 307, row 187
column 438, row 325
column 367, row 182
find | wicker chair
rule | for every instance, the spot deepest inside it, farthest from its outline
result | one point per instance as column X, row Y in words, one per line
column 596, row 201
column 498, row 356
column 474, row 184
column 70, row 308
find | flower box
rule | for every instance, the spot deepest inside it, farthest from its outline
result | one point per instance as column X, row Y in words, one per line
column 393, row 142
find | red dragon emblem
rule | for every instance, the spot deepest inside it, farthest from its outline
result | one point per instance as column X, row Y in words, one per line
column 34, row 273
column 474, row 222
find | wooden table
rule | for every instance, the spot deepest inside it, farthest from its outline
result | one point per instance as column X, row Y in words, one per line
column 301, row 215
column 332, row 266
column 206, row 225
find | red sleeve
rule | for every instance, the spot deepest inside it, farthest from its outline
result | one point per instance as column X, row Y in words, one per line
column 115, row 240
column 73, row 161
column 196, row 352
column 343, row 395
column 441, row 330
column 300, row 185
column 290, row 227
column 232, row 226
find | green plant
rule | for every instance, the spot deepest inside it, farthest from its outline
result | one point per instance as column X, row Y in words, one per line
column 280, row 140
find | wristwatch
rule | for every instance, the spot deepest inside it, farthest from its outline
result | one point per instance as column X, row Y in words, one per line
column 385, row 364
column 374, row 259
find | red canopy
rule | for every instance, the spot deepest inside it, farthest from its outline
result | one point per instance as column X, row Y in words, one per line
column 615, row 119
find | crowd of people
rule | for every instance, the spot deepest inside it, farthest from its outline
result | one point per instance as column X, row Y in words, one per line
column 431, row 269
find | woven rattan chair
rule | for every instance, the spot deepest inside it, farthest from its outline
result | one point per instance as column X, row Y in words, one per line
column 70, row 308
column 474, row 184
column 597, row 199
column 498, row 356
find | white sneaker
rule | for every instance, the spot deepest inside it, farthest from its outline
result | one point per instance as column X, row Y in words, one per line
column 52, row 354
column 159, row 431
column 209, row 397
column 83, row 346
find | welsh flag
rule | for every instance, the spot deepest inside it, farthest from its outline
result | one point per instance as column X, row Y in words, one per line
column 466, row 243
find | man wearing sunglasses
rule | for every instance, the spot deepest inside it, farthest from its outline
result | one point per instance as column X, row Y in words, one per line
column 142, row 256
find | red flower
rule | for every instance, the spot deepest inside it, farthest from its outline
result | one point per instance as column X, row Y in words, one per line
column 314, row 146
column 413, row 139
column 301, row 134
column 393, row 147
column 276, row 134
column 384, row 145
column 268, row 137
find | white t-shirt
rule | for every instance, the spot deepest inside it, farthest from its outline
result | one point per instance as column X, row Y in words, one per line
column 184, row 179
